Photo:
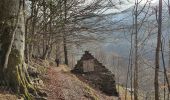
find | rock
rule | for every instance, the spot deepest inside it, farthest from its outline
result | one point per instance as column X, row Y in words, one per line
column 42, row 93
column 97, row 75
column 33, row 72
column 41, row 83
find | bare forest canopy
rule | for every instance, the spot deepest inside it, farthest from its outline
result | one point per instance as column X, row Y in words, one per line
column 129, row 37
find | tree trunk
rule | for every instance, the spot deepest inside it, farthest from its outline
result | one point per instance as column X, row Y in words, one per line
column 12, row 32
column 45, row 26
column 65, row 50
column 136, row 53
column 169, row 47
column 64, row 35
column 157, row 54
column 45, row 55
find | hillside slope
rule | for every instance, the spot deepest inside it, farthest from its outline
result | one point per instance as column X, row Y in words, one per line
column 62, row 85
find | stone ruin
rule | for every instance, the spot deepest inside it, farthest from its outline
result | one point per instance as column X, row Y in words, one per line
column 95, row 74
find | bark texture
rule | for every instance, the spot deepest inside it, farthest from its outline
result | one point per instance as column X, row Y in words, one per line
column 157, row 54
column 12, row 31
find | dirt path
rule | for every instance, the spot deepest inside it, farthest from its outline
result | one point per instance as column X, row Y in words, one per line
column 62, row 85
column 53, row 85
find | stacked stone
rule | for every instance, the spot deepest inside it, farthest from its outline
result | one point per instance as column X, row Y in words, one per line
column 101, row 78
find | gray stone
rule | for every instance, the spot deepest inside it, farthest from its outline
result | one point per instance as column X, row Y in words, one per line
column 100, row 78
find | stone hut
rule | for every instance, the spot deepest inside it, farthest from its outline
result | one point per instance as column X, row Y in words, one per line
column 95, row 74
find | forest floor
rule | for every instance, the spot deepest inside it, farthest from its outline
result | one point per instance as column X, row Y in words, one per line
column 6, row 95
column 63, row 85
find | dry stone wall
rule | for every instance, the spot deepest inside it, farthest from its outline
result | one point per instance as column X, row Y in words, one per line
column 97, row 75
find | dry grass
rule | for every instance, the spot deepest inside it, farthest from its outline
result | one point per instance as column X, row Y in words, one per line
column 63, row 85
column 122, row 92
column 8, row 96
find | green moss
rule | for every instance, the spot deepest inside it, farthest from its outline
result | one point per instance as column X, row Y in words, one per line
column 42, row 69
column 16, row 76
column 90, row 93
column 15, row 55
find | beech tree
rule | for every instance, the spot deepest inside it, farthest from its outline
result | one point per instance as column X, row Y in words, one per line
column 13, row 71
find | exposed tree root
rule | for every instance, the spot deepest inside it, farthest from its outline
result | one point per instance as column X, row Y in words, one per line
column 20, row 83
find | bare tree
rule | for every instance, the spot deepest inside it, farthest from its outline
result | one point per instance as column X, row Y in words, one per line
column 12, row 41
column 157, row 62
